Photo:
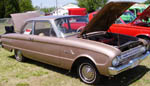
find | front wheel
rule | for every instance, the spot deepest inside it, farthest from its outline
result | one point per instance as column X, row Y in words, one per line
column 88, row 73
column 19, row 57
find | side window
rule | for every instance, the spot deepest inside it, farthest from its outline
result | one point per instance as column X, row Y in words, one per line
column 28, row 28
column 62, row 25
column 43, row 28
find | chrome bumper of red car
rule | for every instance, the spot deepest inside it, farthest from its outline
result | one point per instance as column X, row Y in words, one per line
column 133, row 63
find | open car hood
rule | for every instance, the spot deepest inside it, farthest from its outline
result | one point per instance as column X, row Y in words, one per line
column 144, row 15
column 106, row 17
column 20, row 18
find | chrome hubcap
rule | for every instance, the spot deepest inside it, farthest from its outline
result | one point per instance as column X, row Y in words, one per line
column 88, row 73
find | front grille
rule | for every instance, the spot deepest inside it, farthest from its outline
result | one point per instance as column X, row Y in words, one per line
column 131, row 54
column 129, row 45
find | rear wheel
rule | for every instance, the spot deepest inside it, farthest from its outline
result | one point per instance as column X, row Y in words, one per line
column 19, row 57
column 88, row 72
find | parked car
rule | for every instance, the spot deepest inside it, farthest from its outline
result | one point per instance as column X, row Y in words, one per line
column 91, row 15
column 138, row 8
column 93, row 52
column 138, row 27
column 125, row 18
column 133, row 26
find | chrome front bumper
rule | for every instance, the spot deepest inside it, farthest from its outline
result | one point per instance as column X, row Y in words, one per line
column 133, row 63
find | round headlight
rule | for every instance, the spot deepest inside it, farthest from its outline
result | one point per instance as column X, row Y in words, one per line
column 143, row 49
column 115, row 62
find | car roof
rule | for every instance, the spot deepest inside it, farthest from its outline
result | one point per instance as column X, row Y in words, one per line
column 138, row 6
column 50, row 17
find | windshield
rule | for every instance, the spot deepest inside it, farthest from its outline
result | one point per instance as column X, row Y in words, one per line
column 71, row 25
column 128, row 17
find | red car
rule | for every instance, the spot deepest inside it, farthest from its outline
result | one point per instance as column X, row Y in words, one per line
column 140, row 27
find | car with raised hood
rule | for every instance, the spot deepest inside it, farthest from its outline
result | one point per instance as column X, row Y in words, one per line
column 92, row 53
column 126, row 17
column 138, row 27
column 133, row 26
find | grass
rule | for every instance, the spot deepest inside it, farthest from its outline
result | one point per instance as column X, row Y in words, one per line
column 2, row 27
column 23, row 84
column 33, row 73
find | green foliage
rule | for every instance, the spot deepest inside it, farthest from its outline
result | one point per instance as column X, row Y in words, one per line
column 147, row 2
column 47, row 10
column 91, row 5
column 22, row 84
column 2, row 12
column 25, row 5
column 11, row 6
column 8, row 7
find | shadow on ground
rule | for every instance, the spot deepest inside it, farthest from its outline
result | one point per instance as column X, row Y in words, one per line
column 124, row 79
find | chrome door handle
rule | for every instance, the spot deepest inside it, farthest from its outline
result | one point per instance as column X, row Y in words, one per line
column 31, row 39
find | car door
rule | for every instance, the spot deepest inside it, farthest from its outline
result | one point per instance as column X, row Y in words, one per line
column 23, row 41
column 44, row 43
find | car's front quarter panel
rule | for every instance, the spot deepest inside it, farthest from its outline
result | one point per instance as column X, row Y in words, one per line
column 101, row 61
column 100, row 54
column 69, row 55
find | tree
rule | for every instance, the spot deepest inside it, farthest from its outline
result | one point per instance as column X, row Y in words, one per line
column 25, row 5
column 2, row 12
column 8, row 7
column 147, row 2
column 91, row 5
column 11, row 6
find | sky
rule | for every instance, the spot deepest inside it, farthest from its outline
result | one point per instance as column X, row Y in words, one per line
column 52, row 3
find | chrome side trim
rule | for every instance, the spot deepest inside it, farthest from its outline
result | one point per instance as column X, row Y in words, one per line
column 36, row 52
column 133, row 63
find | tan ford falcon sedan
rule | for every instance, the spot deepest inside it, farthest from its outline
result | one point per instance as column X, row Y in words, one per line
column 71, row 43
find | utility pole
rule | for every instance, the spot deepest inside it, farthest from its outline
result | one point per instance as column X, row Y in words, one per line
column 56, row 7
column 41, row 5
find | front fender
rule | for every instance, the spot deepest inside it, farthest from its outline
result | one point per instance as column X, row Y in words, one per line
column 101, row 61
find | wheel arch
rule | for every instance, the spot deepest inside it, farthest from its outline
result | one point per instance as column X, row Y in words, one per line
column 80, row 59
column 143, row 36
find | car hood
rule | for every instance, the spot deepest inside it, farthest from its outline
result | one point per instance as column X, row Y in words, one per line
column 145, row 14
column 19, row 19
column 106, row 17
